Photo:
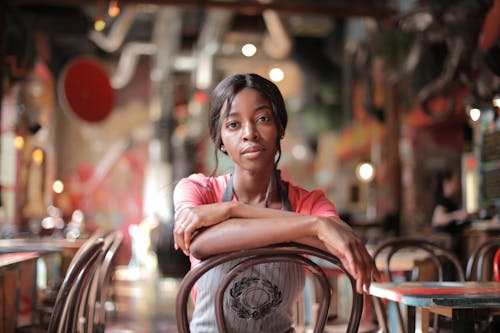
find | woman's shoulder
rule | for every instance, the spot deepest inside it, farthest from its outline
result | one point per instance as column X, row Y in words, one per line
column 311, row 202
column 303, row 193
column 203, row 182
column 200, row 189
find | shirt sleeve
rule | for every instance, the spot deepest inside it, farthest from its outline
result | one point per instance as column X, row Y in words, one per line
column 321, row 206
column 314, row 203
column 190, row 192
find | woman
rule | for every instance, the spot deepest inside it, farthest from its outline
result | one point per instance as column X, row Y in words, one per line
column 447, row 217
column 253, row 207
column 447, row 212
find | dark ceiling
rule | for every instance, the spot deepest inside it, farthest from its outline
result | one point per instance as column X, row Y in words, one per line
column 337, row 8
column 64, row 24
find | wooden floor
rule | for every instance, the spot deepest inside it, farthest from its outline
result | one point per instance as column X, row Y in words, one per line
column 144, row 302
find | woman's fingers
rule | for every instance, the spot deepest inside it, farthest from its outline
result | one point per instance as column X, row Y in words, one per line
column 179, row 232
column 187, row 222
column 358, row 262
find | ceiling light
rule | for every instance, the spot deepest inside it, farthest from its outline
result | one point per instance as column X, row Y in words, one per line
column 19, row 142
column 276, row 74
column 113, row 9
column 496, row 101
column 365, row 172
column 37, row 156
column 58, row 186
column 99, row 24
column 474, row 114
column 248, row 50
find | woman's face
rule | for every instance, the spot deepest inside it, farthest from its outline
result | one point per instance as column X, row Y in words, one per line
column 451, row 187
column 249, row 132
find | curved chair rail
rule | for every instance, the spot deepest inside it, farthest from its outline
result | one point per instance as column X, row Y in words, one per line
column 437, row 254
column 276, row 253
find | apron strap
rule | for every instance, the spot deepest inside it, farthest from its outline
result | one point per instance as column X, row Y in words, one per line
column 228, row 193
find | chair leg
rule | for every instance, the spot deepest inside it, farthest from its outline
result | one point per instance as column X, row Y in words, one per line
column 380, row 314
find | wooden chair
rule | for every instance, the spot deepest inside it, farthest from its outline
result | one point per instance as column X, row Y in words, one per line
column 64, row 317
column 436, row 255
column 79, row 303
column 484, row 261
column 289, row 252
column 92, row 312
column 481, row 261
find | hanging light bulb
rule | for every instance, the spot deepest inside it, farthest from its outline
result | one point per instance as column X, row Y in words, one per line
column 113, row 9
column 365, row 172
column 58, row 186
column 496, row 101
column 37, row 156
column 474, row 114
column 19, row 142
column 99, row 24
column 276, row 74
column 248, row 50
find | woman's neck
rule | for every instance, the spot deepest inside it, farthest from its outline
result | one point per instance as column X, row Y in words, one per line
column 255, row 189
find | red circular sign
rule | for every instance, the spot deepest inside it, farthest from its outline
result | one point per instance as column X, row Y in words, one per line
column 86, row 91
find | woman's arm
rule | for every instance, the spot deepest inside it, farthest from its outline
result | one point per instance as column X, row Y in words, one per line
column 441, row 217
column 244, row 233
column 191, row 219
column 328, row 233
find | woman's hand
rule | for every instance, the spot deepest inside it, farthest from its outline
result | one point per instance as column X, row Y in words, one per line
column 341, row 241
column 191, row 219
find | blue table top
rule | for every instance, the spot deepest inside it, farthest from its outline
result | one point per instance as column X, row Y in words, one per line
column 447, row 294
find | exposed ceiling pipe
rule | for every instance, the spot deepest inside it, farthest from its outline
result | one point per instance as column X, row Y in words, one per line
column 216, row 24
column 128, row 62
column 276, row 43
column 119, row 30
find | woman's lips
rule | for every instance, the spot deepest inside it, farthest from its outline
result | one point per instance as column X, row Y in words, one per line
column 252, row 152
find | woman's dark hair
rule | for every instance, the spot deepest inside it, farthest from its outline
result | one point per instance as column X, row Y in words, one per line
column 224, row 93
column 442, row 176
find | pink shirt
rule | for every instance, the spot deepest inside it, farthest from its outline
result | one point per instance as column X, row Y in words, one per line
column 199, row 189
column 287, row 278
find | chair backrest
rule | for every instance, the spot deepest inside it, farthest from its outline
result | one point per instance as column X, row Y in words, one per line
column 481, row 260
column 290, row 252
column 64, row 317
column 91, row 317
column 102, row 280
column 434, row 253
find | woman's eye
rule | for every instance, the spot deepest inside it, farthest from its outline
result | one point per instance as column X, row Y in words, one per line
column 264, row 118
column 231, row 124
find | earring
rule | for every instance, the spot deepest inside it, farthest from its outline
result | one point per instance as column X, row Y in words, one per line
column 222, row 149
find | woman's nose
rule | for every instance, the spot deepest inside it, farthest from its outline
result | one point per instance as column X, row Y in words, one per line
column 250, row 132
